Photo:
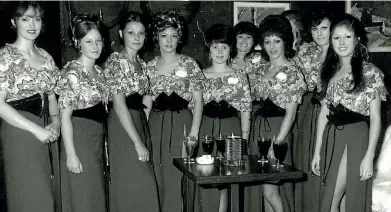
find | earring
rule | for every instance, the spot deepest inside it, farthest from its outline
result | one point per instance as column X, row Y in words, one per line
column 120, row 33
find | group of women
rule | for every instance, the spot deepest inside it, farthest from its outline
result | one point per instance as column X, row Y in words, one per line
column 327, row 86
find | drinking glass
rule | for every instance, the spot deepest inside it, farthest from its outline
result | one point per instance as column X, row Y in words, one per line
column 280, row 149
column 263, row 148
column 207, row 144
column 190, row 143
column 220, row 143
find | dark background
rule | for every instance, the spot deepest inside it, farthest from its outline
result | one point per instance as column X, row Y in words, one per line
column 55, row 38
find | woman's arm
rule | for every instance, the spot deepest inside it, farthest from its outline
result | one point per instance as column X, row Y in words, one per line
column 147, row 101
column 127, row 123
column 73, row 162
column 321, row 124
column 197, row 113
column 13, row 117
column 55, row 124
column 290, row 114
column 245, row 123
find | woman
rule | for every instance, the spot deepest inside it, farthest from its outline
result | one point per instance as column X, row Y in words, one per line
column 82, row 100
column 381, row 197
column 128, row 131
column 310, row 59
column 279, row 86
column 175, row 90
column 227, row 105
column 27, row 79
column 296, row 20
column 244, row 55
column 350, row 91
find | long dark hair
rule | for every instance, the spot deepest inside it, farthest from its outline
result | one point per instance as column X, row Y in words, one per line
column 332, row 64
column 247, row 28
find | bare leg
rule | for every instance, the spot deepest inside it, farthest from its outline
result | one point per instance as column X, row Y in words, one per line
column 273, row 201
column 340, row 186
column 342, row 208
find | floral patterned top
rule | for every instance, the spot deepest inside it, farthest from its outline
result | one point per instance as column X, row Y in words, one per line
column 78, row 90
column 286, row 86
column 358, row 102
column 234, row 89
column 307, row 60
column 254, row 63
column 122, row 77
column 21, row 80
column 185, row 79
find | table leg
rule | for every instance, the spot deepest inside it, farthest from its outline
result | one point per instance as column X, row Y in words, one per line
column 188, row 204
column 234, row 197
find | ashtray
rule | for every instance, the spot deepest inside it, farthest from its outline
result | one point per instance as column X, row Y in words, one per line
column 205, row 159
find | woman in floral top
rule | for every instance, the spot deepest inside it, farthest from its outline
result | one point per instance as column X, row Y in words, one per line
column 176, row 86
column 351, row 91
column 128, row 133
column 279, row 86
column 244, row 56
column 310, row 59
column 227, row 106
column 82, row 100
column 27, row 79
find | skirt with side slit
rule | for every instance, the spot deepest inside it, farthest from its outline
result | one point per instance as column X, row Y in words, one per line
column 355, row 138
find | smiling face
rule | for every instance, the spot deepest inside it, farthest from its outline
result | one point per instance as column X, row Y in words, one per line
column 219, row 52
column 91, row 44
column 29, row 25
column 274, row 46
column 321, row 33
column 244, row 42
column 134, row 35
column 344, row 41
column 168, row 40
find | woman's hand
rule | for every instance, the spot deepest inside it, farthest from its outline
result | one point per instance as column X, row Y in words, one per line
column 74, row 164
column 45, row 135
column 315, row 164
column 142, row 151
column 54, row 127
column 366, row 168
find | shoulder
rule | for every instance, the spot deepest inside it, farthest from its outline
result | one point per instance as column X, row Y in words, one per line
column 7, row 56
column 369, row 69
column 188, row 60
column 72, row 68
column 152, row 62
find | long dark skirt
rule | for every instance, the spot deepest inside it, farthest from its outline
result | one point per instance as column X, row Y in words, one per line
column 133, row 184
column 207, row 198
column 355, row 138
column 166, row 133
column 253, row 198
column 306, row 191
column 84, row 192
column 27, row 169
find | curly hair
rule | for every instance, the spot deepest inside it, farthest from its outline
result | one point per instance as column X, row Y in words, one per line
column 277, row 25
column 219, row 33
column 360, row 55
column 81, row 25
column 164, row 20
column 247, row 28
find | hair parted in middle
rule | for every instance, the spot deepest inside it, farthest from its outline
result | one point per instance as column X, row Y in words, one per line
column 81, row 25
column 277, row 25
column 247, row 28
column 164, row 20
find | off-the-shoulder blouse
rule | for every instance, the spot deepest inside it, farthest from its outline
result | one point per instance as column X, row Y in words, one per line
column 77, row 89
column 254, row 62
column 286, row 86
column 122, row 76
column 20, row 80
column 185, row 79
column 307, row 60
column 337, row 91
column 234, row 89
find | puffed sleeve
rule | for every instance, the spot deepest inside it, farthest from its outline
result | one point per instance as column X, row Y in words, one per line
column 114, row 74
column 55, row 73
column 5, row 79
column 69, row 89
column 196, row 77
column 292, row 85
column 308, row 65
column 374, row 84
column 242, row 100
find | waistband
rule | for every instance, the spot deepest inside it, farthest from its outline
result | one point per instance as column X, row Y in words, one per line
column 96, row 113
column 36, row 104
column 172, row 103
column 220, row 110
column 340, row 115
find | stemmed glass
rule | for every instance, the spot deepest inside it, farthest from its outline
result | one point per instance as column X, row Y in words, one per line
column 280, row 148
column 263, row 148
column 207, row 144
column 220, row 143
column 190, row 143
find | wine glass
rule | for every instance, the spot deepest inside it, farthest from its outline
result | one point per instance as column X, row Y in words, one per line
column 280, row 148
column 190, row 143
column 263, row 148
column 220, row 143
column 207, row 144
